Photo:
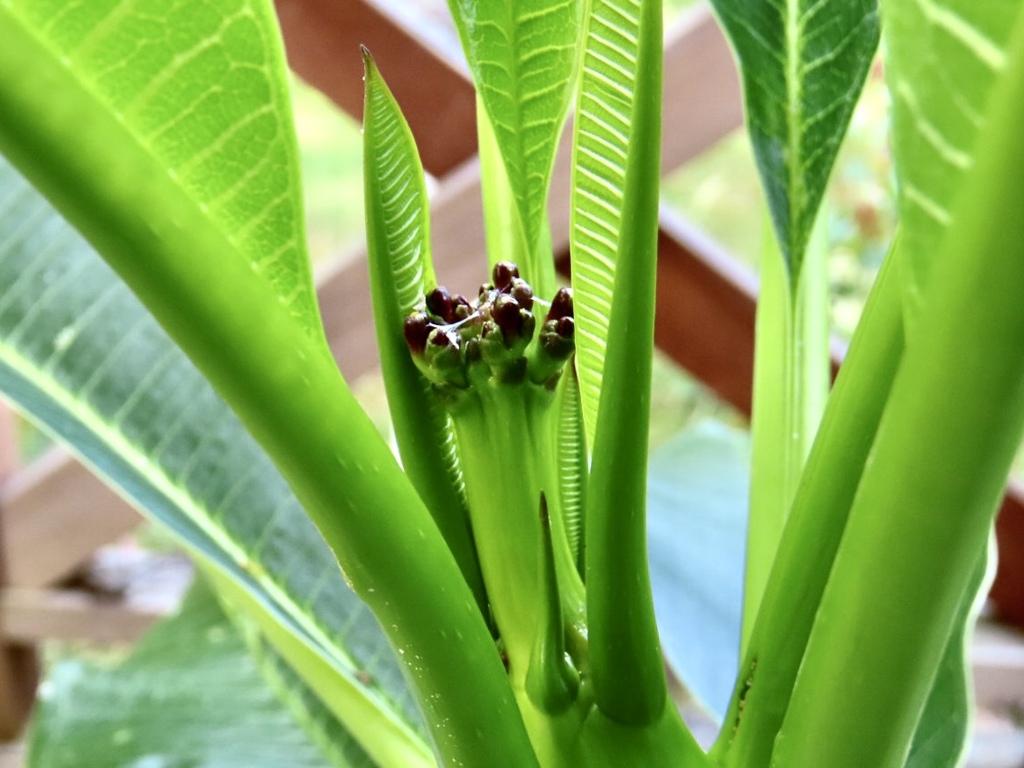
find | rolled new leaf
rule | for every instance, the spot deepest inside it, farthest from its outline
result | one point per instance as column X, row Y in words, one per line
column 401, row 270
column 628, row 672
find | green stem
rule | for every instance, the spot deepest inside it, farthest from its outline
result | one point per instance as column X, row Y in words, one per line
column 936, row 473
column 776, row 646
column 791, row 378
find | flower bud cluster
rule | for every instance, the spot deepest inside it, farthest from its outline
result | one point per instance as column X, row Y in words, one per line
column 456, row 341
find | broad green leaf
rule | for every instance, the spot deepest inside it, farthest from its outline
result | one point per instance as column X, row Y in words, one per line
column 814, row 527
column 201, row 89
column 628, row 675
column 249, row 338
column 401, row 270
column 506, row 238
column 942, row 59
column 80, row 354
column 523, row 55
column 697, row 505
column 803, row 63
column 174, row 702
column 928, row 495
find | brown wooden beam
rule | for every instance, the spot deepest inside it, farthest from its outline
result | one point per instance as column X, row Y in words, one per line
column 35, row 615
column 1007, row 592
column 322, row 38
column 19, row 664
column 56, row 514
column 705, row 311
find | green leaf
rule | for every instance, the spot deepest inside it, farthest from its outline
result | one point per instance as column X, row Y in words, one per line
column 573, row 464
column 256, row 348
column 506, row 238
column 523, row 56
column 200, row 89
column 925, row 504
column 803, row 64
column 697, row 503
column 792, row 373
column 81, row 355
column 814, row 527
column 401, row 269
column 174, row 703
column 942, row 61
column 628, row 674
column 603, row 141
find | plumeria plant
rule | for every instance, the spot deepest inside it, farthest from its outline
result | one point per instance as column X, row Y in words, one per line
column 493, row 605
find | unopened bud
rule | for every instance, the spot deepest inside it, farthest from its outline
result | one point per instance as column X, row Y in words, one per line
column 503, row 273
column 505, row 312
column 416, row 329
column 561, row 305
column 439, row 302
column 522, row 292
column 461, row 308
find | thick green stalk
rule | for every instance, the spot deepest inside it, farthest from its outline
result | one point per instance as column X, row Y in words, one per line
column 815, row 526
column 506, row 436
column 934, row 479
column 282, row 383
column 628, row 672
column 791, row 378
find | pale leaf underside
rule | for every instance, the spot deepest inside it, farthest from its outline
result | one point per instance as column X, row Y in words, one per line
column 80, row 353
column 602, row 144
column 522, row 56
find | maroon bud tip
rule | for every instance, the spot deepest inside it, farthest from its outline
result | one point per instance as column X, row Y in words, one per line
column 566, row 327
column 416, row 329
column 439, row 337
column 461, row 308
column 439, row 302
column 503, row 273
column 561, row 305
column 505, row 312
column 522, row 292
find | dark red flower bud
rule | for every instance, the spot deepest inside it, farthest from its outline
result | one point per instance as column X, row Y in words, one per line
column 440, row 337
column 561, row 305
column 565, row 327
column 505, row 312
column 461, row 308
column 416, row 329
column 439, row 302
column 503, row 273
column 522, row 292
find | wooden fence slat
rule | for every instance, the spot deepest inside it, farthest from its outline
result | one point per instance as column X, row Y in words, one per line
column 19, row 665
column 322, row 38
column 34, row 615
column 56, row 515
